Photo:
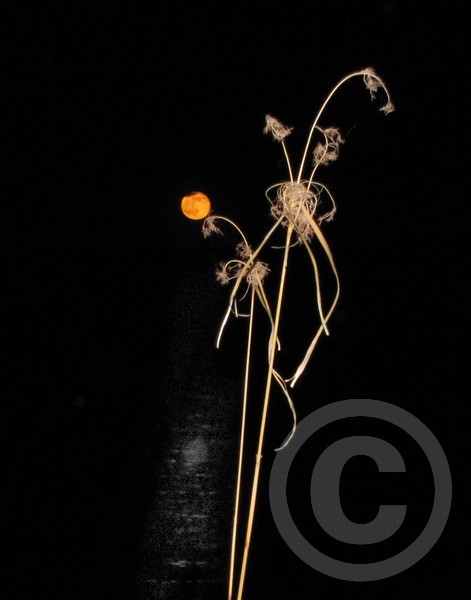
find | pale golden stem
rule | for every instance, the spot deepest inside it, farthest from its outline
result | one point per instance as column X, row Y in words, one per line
column 362, row 72
column 258, row 458
column 241, row 446
column 287, row 160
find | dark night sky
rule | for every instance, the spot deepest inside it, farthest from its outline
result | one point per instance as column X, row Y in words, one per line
column 118, row 112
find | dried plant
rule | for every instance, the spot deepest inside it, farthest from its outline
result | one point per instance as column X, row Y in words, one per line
column 295, row 206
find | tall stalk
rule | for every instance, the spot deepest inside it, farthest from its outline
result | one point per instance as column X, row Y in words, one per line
column 258, row 458
column 242, row 443
column 294, row 204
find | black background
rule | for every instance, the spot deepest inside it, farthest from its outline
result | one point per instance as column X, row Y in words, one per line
column 121, row 110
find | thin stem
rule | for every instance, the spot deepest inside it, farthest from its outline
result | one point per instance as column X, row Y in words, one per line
column 258, row 458
column 287, row 160
column 327, row 100
column 241, row 446
column 235, row 226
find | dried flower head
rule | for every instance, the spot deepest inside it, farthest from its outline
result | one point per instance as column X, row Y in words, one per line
column 373, row 83
column 209, row 227
column 327, row 152
column 387, row 108
column 277, row 129
column 228, row 270
column 257, row 274
column 243, row 250
column 222, row 276
column 292, row 204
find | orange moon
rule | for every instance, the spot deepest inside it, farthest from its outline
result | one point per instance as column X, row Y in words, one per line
column 196, row 206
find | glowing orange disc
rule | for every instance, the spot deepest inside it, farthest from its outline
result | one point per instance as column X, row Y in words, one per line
column 196, row 206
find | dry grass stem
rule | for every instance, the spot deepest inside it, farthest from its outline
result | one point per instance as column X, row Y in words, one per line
column 295, row 206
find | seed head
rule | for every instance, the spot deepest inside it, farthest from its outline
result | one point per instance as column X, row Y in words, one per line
column 209, row 227
column 243, row 250
column 222, row 276
column 373, row 83
column 329, row 151
column 387, row 108
column 277, row 129
column 290, row 200
column 257, row 274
